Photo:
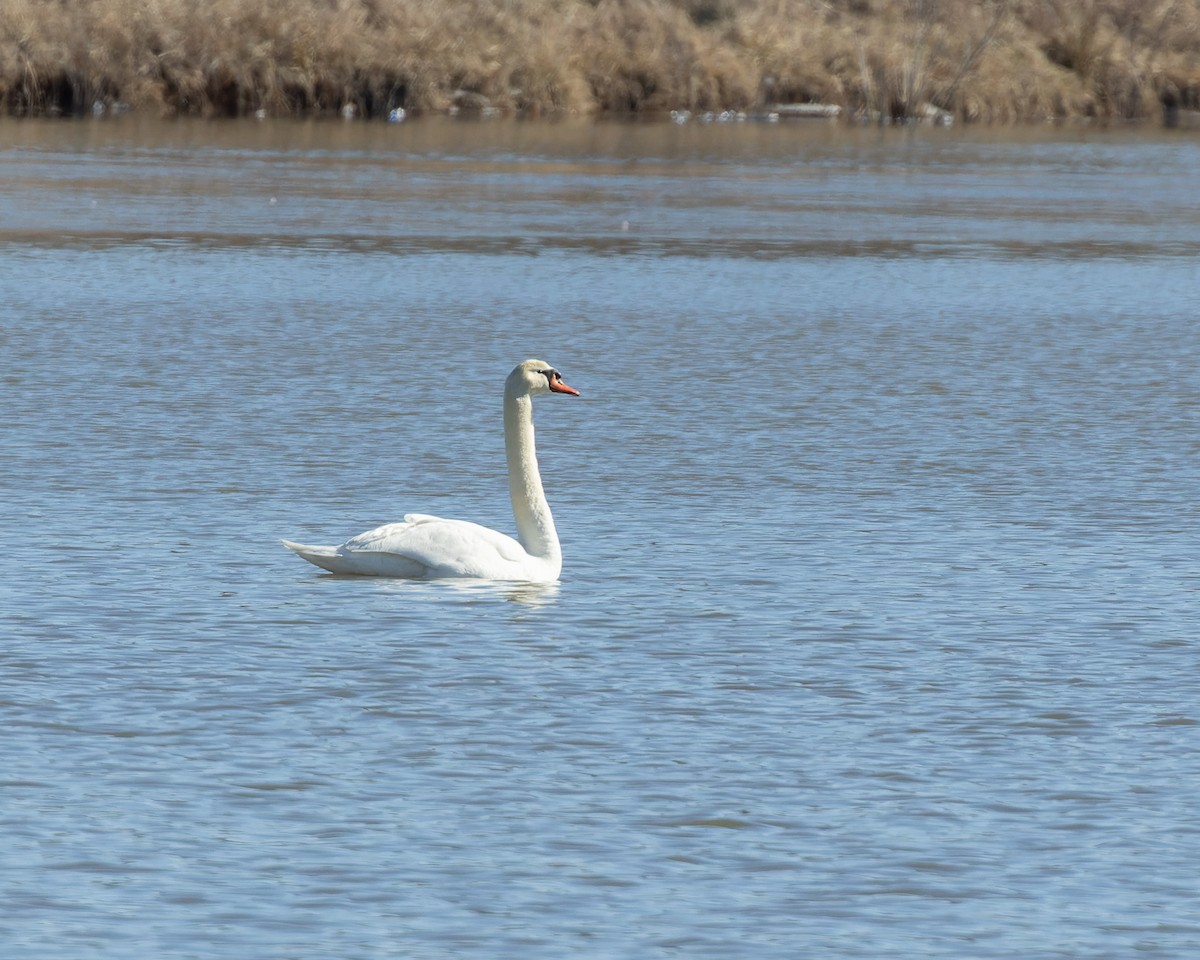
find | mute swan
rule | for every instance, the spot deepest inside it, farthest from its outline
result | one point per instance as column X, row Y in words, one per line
column 424, row 547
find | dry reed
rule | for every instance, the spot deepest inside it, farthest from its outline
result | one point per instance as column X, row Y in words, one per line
column 979, row 60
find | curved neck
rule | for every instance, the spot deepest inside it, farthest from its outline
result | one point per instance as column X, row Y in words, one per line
column 535, row 526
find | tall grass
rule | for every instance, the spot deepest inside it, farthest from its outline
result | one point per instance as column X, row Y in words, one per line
column 981, row 60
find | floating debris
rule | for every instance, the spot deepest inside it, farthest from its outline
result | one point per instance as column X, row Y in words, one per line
column 935, row 115
column 806, row 111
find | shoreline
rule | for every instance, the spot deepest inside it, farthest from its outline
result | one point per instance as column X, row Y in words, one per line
column 853, row 61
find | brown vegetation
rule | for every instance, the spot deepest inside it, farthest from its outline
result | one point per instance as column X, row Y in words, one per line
column 978, row 60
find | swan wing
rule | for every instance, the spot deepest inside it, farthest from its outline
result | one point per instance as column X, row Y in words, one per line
column 366, row 563
column 439, row 548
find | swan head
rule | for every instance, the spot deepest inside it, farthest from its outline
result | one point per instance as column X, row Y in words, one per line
column 535, row 377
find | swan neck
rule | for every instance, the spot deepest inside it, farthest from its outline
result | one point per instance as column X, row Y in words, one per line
column 535, row 525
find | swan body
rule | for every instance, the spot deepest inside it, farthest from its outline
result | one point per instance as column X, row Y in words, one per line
column 423, row 547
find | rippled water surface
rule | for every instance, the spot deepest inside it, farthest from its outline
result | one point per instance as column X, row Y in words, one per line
column 877, row 631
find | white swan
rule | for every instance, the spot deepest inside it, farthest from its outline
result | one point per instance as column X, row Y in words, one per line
column 424, row 547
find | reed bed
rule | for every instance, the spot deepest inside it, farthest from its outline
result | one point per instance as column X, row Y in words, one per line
column 975, row 60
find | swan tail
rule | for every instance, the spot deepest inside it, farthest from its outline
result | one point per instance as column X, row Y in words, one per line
column 326, row 558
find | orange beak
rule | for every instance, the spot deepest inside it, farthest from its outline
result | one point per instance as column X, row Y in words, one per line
column 557, row 386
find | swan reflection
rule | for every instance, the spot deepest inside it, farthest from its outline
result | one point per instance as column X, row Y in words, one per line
column 526, row 594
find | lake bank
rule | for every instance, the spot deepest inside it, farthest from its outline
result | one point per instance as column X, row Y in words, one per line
column 1011, row 61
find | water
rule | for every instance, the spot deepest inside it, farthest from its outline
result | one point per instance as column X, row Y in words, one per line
column 876, row 632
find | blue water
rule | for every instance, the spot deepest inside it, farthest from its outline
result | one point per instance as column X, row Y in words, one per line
column 876, row 630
